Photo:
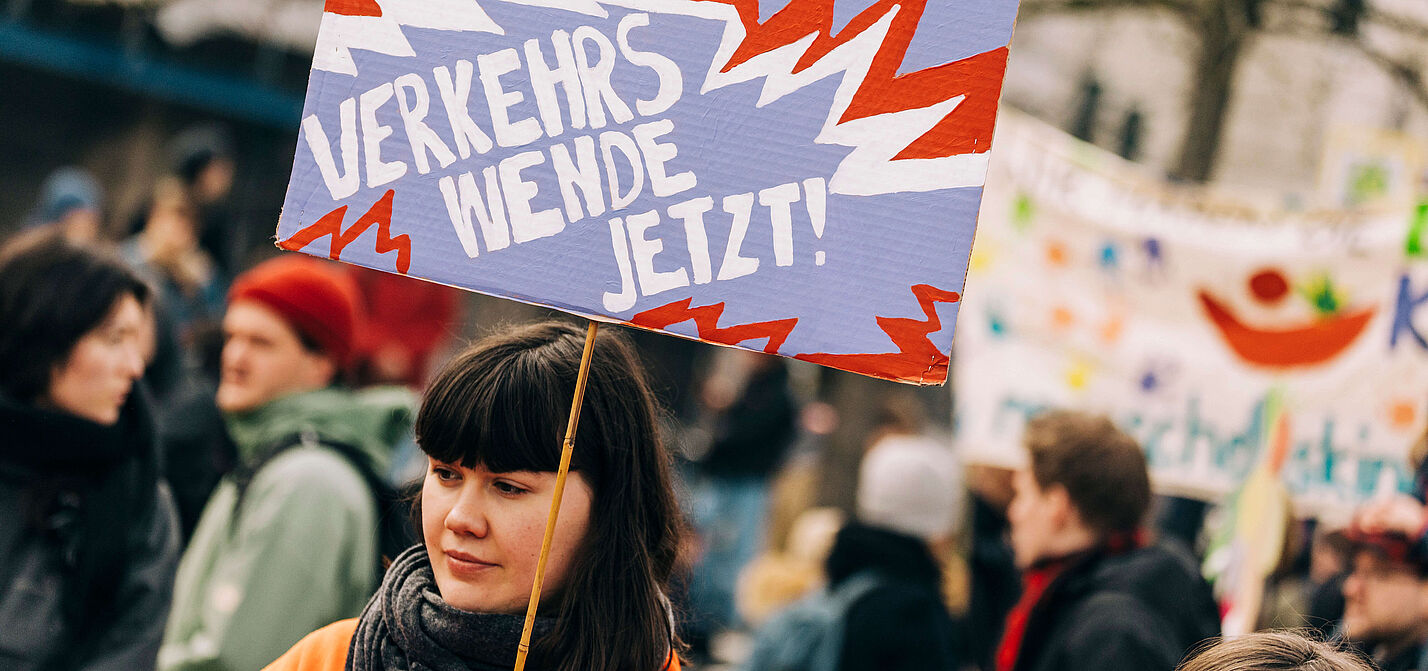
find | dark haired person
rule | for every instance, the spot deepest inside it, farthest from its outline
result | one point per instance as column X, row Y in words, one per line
column 492, row 424
column 1273, row 651
column 88, row 535
column 1386, row 593
column 1095, row 595
column 289, row 539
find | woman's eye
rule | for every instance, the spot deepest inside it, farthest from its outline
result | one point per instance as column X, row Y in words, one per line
column 507, row 488
column 445, row 474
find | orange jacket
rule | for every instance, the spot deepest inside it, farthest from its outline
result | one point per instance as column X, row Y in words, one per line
column 326, row 650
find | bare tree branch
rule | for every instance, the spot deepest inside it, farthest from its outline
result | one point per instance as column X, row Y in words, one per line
column 1398, row 22
column 1406, row 73
column 1373, row 15
column 1035, row 8
column 1403, row 71
column 1303, row 6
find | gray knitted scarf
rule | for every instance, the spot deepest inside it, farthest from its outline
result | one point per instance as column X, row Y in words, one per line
column 408, row 627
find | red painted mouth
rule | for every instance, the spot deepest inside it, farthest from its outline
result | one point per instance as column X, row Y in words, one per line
column 1307, row 344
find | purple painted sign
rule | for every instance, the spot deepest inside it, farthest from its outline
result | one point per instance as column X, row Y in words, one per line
column 798, row 177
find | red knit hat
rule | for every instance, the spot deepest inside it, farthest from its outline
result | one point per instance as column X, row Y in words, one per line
column 315, row 298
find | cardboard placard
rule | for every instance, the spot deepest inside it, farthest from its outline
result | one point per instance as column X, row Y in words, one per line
column 1226, row 339
column 798, row 177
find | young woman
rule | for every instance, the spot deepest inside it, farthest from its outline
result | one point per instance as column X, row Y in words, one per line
column 88, row 537
column 492, row 424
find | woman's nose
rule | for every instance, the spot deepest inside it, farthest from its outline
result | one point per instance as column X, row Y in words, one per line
column 468, row 516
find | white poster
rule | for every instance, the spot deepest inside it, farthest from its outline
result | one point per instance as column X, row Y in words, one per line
column 1208, row 330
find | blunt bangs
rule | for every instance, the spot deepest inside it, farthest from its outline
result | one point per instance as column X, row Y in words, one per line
column 502, row 407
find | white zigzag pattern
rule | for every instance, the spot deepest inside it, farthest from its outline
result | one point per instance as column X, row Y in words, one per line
column 869, row 169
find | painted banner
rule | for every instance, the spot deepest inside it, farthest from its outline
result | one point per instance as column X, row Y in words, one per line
column 798, row 177
column 1227, row 340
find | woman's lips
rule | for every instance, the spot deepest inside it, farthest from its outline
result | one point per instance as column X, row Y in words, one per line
column 463, row 564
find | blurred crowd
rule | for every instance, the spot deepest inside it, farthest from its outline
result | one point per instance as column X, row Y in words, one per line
column 202, row 462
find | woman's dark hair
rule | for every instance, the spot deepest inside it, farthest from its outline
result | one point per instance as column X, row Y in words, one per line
column 53, row 292
column 503, row 404
column 1273, row 651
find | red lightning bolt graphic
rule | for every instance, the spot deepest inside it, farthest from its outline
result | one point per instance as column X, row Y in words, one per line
column 353, row 7
column 706, row 319
column 331, row 224
column 967, row 129
column 917, row 359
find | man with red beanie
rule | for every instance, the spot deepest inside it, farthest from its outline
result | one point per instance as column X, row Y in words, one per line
column 288, row 541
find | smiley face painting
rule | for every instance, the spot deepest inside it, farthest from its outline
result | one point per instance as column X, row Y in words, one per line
column 1214, row 332
column 1292, row 344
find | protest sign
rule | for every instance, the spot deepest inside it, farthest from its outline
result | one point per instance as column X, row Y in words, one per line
column 798, row 177
column 1224, row 338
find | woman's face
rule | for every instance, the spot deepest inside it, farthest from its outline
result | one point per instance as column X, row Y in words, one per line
column 483, row 531
column 96, row 377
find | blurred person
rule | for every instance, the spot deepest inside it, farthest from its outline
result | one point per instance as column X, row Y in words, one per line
column 754, row 415
column 1095, row 594
column 492, row 425
column 1329, row 565
column 186, row 313
column 191, row 286
column 289, row 539
column 1418, row 461
column 995, row 582
column 408, row 321
column 202, row 158
column 883, row 607
column 72, row 204
column 1273, row 651
column 1386, row 593
column 791, row 571
column 88, row 529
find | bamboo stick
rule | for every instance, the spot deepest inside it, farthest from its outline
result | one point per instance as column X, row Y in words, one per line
column 566, row 450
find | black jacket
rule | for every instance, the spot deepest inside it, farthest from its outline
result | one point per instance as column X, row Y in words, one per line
column 1138, row 611
column 996, row 585
column 902, row 623
column 1410, row 659
column 88, row 541
column 753, row 434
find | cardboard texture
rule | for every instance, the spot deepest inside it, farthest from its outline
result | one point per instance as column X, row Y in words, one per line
column 1231, row 342
column 800, row 177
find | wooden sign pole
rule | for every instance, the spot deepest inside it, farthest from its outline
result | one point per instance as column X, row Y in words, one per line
column 566, row 450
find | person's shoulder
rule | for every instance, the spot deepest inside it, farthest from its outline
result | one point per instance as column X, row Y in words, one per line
column 305, row 467
column 322, row 650
column 1153, row 568
column 313, row 475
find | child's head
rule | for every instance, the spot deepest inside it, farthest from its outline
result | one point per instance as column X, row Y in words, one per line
column 492, row 423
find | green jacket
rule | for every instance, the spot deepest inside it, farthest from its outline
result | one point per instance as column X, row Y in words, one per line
column 300, row 551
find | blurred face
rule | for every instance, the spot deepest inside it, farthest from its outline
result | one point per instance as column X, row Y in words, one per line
column 215, row 181
column 99, row 372
column 264, row 359
column 483, row 532
column 81, row 225
column 1035, row 515
column 1384, row 601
